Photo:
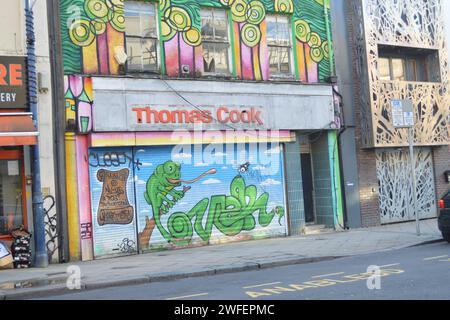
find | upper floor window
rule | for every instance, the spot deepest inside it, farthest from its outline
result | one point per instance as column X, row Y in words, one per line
column 141, row 36
column 279, row 45
column 215, row 41
column 408, row 64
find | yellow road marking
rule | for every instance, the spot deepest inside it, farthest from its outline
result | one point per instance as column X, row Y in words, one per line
column 434, row 258
column 445, row 260
column 318, row 283
column 390, row 265
column 189, row 296
column 261, row 285
column 327, row 275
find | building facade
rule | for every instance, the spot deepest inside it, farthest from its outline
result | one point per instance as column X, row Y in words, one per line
column 398, row 52
column 18, row 129
column 197, row 122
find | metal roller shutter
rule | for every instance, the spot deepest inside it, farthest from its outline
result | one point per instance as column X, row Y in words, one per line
column 230, row 192
column 111, row 173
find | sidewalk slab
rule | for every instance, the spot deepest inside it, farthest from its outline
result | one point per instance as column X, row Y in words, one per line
column 217, row 259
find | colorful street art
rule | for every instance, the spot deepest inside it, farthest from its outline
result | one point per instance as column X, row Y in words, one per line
column 112, row 202
column 177, row 202
column 182, row 203
column 180, row 28
column 79, row 98
column 114, row 206
column 94, row 30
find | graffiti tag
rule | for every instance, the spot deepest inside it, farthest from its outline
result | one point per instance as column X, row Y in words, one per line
column 113, row 159
column 51, row 231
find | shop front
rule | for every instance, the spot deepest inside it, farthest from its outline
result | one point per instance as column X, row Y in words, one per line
column 17, row 133
column 174, row 168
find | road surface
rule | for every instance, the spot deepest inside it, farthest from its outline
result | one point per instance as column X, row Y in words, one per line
column 421, row 272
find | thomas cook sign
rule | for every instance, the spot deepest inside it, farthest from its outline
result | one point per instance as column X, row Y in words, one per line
column 13, row 86
column 142, row 117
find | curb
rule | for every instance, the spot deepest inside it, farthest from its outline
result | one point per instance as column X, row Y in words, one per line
column 167, row 276
column 114, row 283
column 267, row 265
column 38, row 292
column 427, row 242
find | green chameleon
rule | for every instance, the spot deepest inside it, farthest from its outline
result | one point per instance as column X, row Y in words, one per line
column 229, row 214
column 161, row 183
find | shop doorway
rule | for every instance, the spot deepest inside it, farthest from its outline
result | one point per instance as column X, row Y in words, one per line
column 308, row 187
column 12, row 191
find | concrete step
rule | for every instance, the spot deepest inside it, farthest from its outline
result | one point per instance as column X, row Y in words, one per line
column 317, row 229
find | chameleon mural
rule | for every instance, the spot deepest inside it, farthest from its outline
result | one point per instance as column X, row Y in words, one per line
column 92, row 31
column 230, row 214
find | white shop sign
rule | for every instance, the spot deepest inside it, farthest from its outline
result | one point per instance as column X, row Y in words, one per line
column 130, row 105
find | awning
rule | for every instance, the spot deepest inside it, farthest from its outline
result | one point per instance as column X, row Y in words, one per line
column 17, row 129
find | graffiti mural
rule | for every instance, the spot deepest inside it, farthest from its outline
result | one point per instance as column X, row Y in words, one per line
column 79, row 99
column 179, row 200
column 93, row 32
column 112, row 203
column 181, row 36
column 114, row 206
column 184, row 204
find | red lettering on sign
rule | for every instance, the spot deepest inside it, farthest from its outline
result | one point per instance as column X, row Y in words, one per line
column 223, row 115
column 15, row 74
column 3, row 74
column 220, row 115
column 11, row 75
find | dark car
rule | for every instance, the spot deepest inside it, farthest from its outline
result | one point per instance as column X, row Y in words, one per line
column 444, row 216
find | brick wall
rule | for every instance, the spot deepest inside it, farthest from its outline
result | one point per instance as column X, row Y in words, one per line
column 441, row 163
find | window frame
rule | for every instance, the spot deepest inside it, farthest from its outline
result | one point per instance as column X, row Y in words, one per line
column 155, row 38
column 421, row 65
column 280, row 75
column 209, row 41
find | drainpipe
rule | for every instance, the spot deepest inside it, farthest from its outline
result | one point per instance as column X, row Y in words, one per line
column 59, row 120
column 41, row 258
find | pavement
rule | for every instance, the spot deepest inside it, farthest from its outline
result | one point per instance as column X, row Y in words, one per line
column 212, row 260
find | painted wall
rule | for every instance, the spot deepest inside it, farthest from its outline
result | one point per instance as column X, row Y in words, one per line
column 228, row 194
column 79, row 99
column 94, row 30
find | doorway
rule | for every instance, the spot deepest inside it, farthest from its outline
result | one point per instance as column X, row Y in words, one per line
column 12, row 191
column 308, row 187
